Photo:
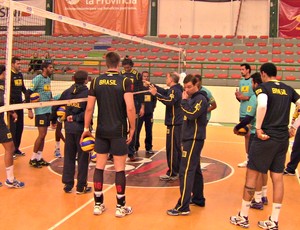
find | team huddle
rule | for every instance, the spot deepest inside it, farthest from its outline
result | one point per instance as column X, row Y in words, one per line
column 132, row 100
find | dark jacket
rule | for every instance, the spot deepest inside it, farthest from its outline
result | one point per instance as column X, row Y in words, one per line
column 75, row 109
column 194, row 121
column 171, row 98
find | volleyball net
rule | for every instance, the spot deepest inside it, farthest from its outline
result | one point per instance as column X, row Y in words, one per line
column 24, row 34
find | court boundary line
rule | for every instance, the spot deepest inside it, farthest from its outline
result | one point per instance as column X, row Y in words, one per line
column 92, row 199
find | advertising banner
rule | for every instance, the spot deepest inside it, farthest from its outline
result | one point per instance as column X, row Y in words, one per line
column 289, row 19
column 125, row 16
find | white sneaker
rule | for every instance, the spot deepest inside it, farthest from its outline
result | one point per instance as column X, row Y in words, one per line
column 99, row 208
column 122, row 211
column 243, row 164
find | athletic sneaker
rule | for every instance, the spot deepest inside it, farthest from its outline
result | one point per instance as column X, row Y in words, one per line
column 268, row 224
column 83, row 190
column 122, row 211
column 57, row 153
column 99, row 208
column 110, row 157
column 265, row 201
column 256, row 205
column 132, row 158
column 68, row 188
column 14, row 184
column 243, row 164
column 149, row 151
column 239, row 220
column 200, row 204
column 168, row 178
column 34, row 163
column 175, row 212
column 19, row 153
column 42, row 162
column 286, row 172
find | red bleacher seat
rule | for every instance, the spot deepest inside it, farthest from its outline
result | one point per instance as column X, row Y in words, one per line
column 249, row 44
column 197, row 66
column 226, row 51
column 289, row 60
column 126, row 42
column 209, row 75
column 158, row 74
column 252, row 37
column 290, row 78
column 44, row 48
column 225, row 59
column 140, row 57
column 181, row 43
column 277, row 52
column 200, row 58
column 290, row 68
column 195, row 36
column 202, row 51
column 162, row 35
column 189, row 58
column 81, row 55
column 211, row 67
column 214, row 51
column 184, row 36
column 155, row 50
column 288, row 52
column 216, row 43
column 77, row 48
column 276, row 60
column 263, row 52
column 87, row 49
column 250, row 59
column 114, row 42
column 190, row 51
column 161, row 65
column 193, row 43
column 218, row 36
column 164, row 57
column 229, row 36
column 206, row 36
column 212, row 59
column 236, row 76
column 238, row 59
column 59, row 55
column 279, row 68
column 70, row 55
column 173, row 65
column 204, row 43
column 175, row 58
column 173, row 35
column 288, row 44
column 224, row 67
column 228, row 43
column 263, row 60
column 223, row 75
column 132, row 49
column 169, row 43
column 144, row 49
column 152, row 57
column 241, row 36
column 121, row 49
column 263, row 36
column 279, row 78
column 276, row 44
column 262, row 44
column 111, row 49
column 251, row 51
column 239, row 51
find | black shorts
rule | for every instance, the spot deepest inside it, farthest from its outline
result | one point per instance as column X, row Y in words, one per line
column 42, row 120
column 5, row 134
column 115, row 146
column 267, row 155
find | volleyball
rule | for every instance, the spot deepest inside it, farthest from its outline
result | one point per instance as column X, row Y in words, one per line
column 88, row 144
column 61, row 112
column 93, row 156
column 243, row 131
column 34, row 97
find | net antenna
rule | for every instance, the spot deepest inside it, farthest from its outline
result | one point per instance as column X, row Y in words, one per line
column 27, row 9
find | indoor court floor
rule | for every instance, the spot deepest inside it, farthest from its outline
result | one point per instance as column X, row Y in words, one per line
column 43, row 204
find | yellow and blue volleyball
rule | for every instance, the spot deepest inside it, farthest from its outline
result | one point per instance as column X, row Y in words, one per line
column 88, row 144
column 243, row 131
column 93, row 156
column 61, row 112
column 34, row 97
